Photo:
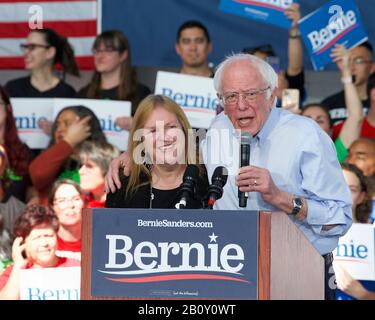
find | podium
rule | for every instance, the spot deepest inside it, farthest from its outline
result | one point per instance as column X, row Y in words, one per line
column 264, row 256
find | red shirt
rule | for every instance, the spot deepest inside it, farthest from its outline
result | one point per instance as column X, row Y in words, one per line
column 367, row 130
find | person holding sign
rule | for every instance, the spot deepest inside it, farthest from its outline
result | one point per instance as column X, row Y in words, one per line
column 72, row 126
column 114, row 77
column 293, row 77
column 361, row 66
column 160, row 150
column 35, row 246
column 193, row 45
column 44, row 49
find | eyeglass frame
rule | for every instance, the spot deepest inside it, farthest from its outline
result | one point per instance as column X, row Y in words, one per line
column 105, row 50
column 254, row 94
column 65, row 201
column 33, row 46
column 358, row 61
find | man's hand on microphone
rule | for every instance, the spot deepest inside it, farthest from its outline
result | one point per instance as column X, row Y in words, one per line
column 112, row 179
column 255, row 179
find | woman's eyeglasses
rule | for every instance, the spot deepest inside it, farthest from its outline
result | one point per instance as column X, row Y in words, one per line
column 32, row 46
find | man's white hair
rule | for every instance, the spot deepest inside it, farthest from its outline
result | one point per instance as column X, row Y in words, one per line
column 266, row 71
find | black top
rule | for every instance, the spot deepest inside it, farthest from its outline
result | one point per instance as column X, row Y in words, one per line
column 112, row 94
column 337, row 107
column 22, row 88
column 297, row 82
column 162, row 199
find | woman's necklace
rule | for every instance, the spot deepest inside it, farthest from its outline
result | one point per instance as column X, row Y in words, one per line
column 152, row 196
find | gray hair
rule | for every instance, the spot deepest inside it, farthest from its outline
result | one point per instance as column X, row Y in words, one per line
column 101, row 153
column 266, row 71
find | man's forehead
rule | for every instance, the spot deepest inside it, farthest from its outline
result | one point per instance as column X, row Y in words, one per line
column 360, row 52
column 363, row 147
column 192, row 33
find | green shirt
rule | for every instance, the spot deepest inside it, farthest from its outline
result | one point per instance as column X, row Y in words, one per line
column 342, row 151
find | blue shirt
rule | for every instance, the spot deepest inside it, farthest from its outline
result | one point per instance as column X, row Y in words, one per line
column 301, row 159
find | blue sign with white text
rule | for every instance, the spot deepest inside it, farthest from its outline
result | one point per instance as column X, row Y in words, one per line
column 338, row 21
column 267, row 11
column 162, row 253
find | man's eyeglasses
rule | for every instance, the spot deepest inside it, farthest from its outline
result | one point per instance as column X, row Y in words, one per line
column 32, row 46
column 232, row 98
column 104, row 50
column 359, row 60
column 64, row 202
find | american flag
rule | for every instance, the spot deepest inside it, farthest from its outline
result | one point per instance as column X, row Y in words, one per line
column 75, row 19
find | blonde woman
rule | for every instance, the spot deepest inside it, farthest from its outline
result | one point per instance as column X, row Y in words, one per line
column 160, row 148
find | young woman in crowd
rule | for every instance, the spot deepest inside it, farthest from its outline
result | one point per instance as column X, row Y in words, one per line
column 44, row 49
column 34, row 246
column 95, row 159
column 114, row 77
column 67, row 201
column 72, row 126
column 160, row 148
column 15, row 156
column 359, row 188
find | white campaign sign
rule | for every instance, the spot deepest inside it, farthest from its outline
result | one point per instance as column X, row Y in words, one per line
column 355, row 251
column 28, row 111
column 50, row 284
column 196, row 95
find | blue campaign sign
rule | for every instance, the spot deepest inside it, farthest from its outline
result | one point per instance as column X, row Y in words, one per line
column 338, row 21
column 267, row 11
column 163, row 253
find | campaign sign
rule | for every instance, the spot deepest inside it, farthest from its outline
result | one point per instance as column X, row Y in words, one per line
column 171, row 254
column 107, row 111
column 355, row 251
column 27, row 112
column 267, row 11
column 338, row 21
column 50, row 283
column 196, row 95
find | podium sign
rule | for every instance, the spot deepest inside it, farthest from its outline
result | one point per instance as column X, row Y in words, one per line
column 162, row 253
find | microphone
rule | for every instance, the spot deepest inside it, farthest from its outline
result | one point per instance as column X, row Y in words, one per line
column 187, row 190
column 218, row 181
column 244, row 161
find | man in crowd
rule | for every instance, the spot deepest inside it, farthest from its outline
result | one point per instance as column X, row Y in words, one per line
column 193, row 45
column 361, row 60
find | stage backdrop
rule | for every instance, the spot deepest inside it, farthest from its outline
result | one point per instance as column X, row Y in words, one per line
column 151, row 27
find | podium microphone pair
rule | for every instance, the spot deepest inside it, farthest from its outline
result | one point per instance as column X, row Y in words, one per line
column 188, row 186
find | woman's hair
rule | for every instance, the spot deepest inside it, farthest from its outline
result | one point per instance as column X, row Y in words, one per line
column 143, row 112
column 57, row 184
column 318, row 105
column 32, row 216
column 97, row 133
column 18, row 153
column 101, row 153
column 64, row 52
column 127, row 89
column 363, row 210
